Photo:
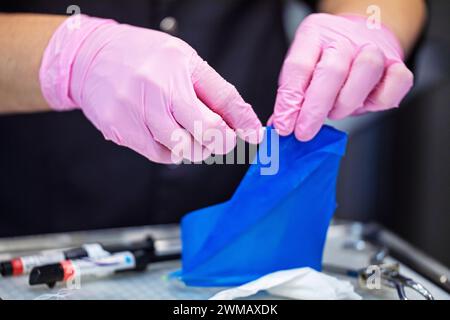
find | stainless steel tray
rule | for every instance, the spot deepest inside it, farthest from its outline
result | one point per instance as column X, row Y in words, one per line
column 349, row 245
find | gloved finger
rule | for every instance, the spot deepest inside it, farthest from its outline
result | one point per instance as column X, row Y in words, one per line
column 366, row 71
column 295, row 76
column 188, row 148
column 165, row 155
column 180, row 142
column 140, row 140
column 328, row 78
column 207, row 127
column 223, row 98
column 395, row 84
column 168, row 132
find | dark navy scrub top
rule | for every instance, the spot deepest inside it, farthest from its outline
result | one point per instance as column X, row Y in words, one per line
column 59, row 174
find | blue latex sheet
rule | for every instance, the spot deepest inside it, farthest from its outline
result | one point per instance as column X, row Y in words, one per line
column 272, row 222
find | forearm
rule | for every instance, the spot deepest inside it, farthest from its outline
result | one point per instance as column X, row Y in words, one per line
column 405, row 18
column 22, row 44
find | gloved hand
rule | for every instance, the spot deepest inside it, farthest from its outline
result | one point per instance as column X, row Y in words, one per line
column 141, row 88
column 337, row 67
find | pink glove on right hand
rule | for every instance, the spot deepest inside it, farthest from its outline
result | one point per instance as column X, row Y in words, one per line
column 337, row 67
column 141, row 88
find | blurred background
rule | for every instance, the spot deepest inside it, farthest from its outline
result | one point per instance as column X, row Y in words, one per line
column 397, row 167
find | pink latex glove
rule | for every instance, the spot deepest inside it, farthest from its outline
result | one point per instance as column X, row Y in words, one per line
column 139, row 86
column 338, row 67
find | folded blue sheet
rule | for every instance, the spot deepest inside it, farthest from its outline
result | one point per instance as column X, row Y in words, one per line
column 272, row 222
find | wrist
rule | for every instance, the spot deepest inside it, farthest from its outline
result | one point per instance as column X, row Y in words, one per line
column 56, row 70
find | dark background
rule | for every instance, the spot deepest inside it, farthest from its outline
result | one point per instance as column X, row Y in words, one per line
column 397, row 169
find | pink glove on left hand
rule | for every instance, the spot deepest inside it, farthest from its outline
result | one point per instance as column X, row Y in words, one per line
column 145, row 90
column 338, row 67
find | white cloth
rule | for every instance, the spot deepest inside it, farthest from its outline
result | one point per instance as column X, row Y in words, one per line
column 300, row 283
